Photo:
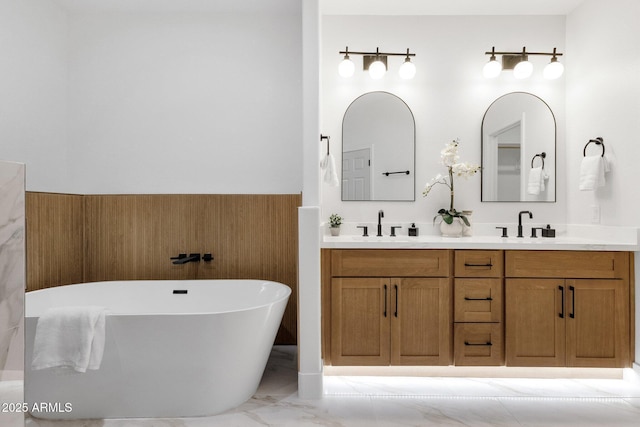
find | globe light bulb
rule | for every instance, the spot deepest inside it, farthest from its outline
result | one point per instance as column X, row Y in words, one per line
column 377, row 69
column 523, row 69
column 492, row 69
column 407, row 70
column 346, row 67
column 553, row 70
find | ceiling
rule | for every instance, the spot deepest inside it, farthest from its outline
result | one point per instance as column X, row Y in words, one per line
column 448, row 7
column 335, row 7
column 216, row 6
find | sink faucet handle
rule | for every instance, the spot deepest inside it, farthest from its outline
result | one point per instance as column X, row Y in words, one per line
column 365, row 230
column 393, row 230
column 504, row 231
column 533, row 231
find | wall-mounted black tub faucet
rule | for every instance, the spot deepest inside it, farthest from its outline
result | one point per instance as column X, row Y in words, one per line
column 520, row 221
column 184, row 258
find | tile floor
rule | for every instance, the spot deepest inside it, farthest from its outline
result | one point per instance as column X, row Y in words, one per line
column 398, row 401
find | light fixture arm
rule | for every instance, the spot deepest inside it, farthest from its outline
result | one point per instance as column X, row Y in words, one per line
column 376, row 53
column 523, row 52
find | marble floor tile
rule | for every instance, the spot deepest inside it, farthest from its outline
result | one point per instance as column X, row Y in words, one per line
column 548, row 412
column 11, row 392
column 411, row 401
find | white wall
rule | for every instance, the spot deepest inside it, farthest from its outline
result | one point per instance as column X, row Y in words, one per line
column 448, row 98
column 603, row 99
column 186, row 102
column 207, row 101
column 33, row 91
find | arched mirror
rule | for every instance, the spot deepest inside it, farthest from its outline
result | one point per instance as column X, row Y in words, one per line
column 378, row 149
column 519, row 150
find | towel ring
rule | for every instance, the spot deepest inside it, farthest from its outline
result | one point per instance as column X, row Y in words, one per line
column 597, row 141
column 542, row 157
column 322, row 137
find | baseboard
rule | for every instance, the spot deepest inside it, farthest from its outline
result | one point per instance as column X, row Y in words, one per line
column 632, row 374
column 310, row 385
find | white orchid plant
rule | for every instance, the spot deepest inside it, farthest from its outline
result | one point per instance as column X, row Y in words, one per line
column 449, row 158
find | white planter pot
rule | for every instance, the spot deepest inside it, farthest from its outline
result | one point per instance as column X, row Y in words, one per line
column 335, row 231
column 451, row 230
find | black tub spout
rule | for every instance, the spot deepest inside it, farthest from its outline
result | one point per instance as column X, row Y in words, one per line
column 184, row 258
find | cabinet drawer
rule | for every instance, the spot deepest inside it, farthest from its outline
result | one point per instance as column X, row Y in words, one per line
column 478, row 263
column 478, row 344
column 390, row 263
column 478, row 300
column 573, row 264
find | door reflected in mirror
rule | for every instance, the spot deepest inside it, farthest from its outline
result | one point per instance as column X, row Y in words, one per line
column 378, row 149
column 518, row 150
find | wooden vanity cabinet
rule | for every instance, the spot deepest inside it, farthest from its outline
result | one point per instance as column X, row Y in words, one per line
column 376, row 320
column 567, row 321
column 478, row 308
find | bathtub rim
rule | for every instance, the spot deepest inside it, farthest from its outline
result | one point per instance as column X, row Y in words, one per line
column 288, row 292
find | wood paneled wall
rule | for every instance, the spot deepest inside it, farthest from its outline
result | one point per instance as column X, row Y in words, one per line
column 55, row 239
column 132, row 237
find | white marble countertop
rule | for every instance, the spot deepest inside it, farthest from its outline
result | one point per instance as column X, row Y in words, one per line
column 568, row 237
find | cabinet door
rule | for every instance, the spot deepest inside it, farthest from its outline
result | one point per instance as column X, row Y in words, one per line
column 534, row 322
column 421, row 322
column 597, row 329
column 360, row 321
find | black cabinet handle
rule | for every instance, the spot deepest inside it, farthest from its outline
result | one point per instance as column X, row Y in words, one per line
column 573, row 302
column 478, row 299
column 474, row 344
column 385, row 300
column 468, row 264
column 396, row 289
column 561, row 314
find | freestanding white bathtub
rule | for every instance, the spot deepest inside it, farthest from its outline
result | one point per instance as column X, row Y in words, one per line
column 173, row 348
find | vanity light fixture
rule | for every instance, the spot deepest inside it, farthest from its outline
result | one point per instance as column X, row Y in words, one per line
column 520, row 64
column 376, row 64
column 346, row 67
column 554, row 69
column 492, row 68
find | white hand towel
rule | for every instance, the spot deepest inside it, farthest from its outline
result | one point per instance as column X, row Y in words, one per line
column 70, row 338
column 328, row 164
column 543, row 182
column 592, row 173
column 536, row 181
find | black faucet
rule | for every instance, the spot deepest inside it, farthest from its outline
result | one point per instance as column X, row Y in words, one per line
column 380, row 216
column 520, row 221
column 183, row 258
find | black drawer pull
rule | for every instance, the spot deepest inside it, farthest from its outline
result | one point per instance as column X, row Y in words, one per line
column 573, row 302
column 466, row 264
column 478, row 299
column 385, row 300
column 472, row 344
column 396, row 312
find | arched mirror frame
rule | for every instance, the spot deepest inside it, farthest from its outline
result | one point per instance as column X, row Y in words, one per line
column 397, row 175
column 555, row 149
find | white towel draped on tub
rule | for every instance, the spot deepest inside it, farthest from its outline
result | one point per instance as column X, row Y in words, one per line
column 70, row 338
column 592, row 171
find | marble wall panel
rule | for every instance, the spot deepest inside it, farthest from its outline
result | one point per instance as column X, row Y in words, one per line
column 12, row 261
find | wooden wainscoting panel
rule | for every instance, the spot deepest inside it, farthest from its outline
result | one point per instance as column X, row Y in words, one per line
column 133, row 237
column 54, row 239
